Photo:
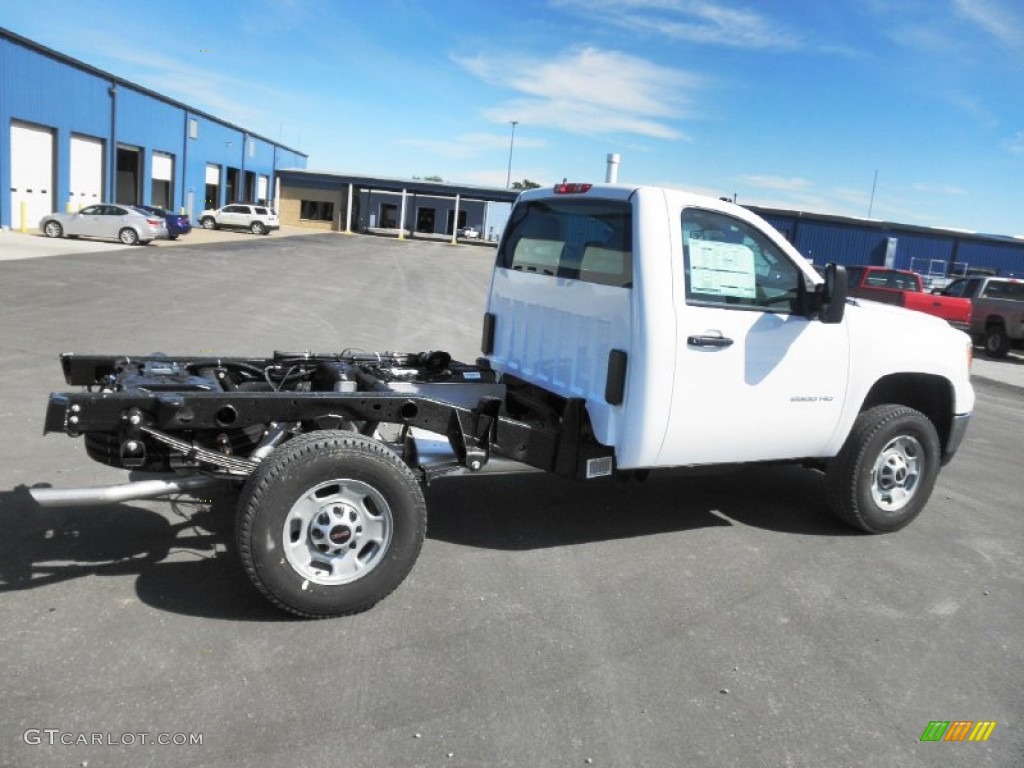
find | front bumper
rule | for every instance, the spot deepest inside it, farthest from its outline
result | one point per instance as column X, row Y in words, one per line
column 957, row 430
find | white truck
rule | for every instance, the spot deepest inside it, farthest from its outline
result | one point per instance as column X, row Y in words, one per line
column 627, row 329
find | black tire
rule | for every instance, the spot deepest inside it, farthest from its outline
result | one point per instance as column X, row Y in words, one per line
column 997, row 343
column 307, row 504
column 886, row 469
column 208, row 222
column 53, row 229
column 128, row 236
column 257, row 228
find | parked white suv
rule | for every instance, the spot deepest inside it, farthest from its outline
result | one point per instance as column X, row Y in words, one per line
column 258, row 219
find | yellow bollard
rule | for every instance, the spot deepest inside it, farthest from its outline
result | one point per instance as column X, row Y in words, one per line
column 24, row 216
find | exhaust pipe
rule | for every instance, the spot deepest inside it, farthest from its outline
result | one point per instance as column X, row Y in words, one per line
column 112, row 494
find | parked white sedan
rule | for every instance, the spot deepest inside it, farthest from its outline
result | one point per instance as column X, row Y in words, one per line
column 107, row 220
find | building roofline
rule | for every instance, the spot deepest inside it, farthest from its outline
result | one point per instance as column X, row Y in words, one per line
column 388, row 184
column 891, row 226
column 40, row 48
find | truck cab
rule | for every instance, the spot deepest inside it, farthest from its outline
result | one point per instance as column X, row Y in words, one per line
column 904, row 288
column 998, row 311
column 697, row 334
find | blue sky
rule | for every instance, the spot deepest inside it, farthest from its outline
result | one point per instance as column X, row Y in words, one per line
column 788, row 103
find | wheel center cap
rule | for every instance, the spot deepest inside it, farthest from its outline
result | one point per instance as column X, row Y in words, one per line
column 340, row 534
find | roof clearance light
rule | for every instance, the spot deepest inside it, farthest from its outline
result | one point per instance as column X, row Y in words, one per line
column 566, row 188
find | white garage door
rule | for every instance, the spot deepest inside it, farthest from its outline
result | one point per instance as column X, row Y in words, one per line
column 212, row 174
column 262, row 188
column 31, row 173
column 163, row 167
column 163, row 176
column 86, row 171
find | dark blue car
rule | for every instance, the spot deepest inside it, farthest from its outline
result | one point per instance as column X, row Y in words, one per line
column 177, row 223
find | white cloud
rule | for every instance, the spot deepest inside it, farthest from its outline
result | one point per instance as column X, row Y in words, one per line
column 588, row 91
column 778, row 183
column 939, row 189
column 996, row 18
column 469, row 145
column 695, row 21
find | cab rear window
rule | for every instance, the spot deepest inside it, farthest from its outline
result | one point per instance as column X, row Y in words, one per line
column 996, row 289
column 588, row 240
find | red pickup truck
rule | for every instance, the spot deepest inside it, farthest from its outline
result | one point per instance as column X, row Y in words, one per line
column 904, row 289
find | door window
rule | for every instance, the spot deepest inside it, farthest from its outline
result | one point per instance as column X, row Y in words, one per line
column 956, row 288
column 730, row 263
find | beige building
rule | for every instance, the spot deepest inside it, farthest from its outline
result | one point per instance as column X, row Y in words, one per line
column 346, row 202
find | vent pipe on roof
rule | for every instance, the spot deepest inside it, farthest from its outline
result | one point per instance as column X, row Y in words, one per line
column 612, row 176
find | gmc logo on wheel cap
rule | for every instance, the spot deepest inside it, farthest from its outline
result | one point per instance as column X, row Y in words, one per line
column 340, row 534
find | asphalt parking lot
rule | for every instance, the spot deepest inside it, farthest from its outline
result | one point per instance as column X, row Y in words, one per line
column 713, row 621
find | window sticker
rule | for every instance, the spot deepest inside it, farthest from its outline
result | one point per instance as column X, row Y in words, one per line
column 722, row 269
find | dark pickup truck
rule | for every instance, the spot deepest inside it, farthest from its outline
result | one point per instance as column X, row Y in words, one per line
column 997, row 318
column 904, row 289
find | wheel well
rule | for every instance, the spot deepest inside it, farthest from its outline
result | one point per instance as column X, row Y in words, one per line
column 994, row 320
column 931, row 395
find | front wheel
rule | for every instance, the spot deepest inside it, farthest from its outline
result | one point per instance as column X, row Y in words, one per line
column 52, row 229
column 208, row 222
column 997, row 343
column 128, row 236
column 886, row 470
column 330, row 523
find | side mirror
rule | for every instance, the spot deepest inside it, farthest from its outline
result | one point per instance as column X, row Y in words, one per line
column 936, row 291
column 832, row 303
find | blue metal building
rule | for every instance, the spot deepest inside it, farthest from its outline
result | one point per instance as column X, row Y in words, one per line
column 72, row 135
column 933, row 252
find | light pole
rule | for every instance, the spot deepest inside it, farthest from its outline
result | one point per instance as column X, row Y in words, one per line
column 511, row 143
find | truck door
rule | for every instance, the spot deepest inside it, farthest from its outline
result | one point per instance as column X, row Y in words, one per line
column 755, row 378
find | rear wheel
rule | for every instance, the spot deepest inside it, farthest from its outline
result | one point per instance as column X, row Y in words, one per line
column 997, row 343
column 53, row 229
column 330, row 523
column 257, row 228
column 128, row 236
column 886, row 470
column 208, row 222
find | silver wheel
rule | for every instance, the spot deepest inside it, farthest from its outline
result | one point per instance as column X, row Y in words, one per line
column 257, row 228
column 886, row 470
column 128, row 236
column 208, row 223
column 337, row 532
column 894, row 478
column 997, row 343
column 52, row 229
column 330, row 523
